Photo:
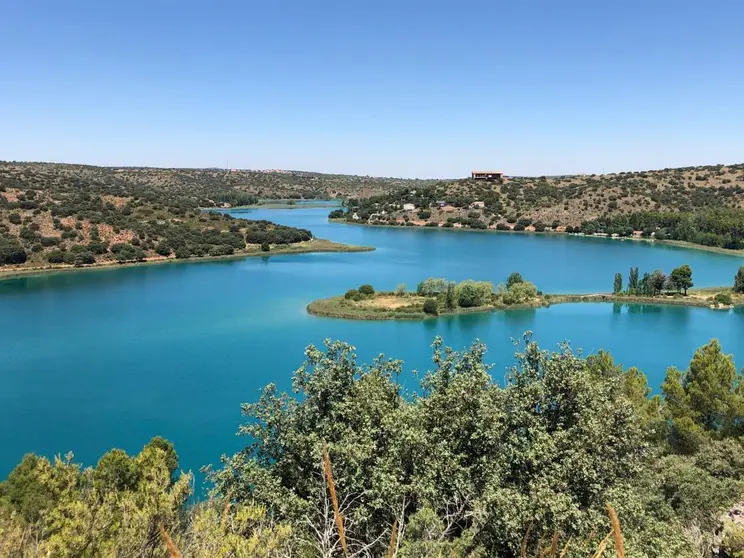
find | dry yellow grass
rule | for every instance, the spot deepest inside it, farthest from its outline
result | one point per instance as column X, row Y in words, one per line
column 390, row 302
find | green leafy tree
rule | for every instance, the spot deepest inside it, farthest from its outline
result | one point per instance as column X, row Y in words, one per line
column 432, row 286
column 739, row 281
column 11, row 252
column 450, row 300
column 473, row 293
column 113, row 509
column 633, row 283
column 618, row 286
column 513, row 279
column 681, row 278
column 430, row 307
column 705, row 400
column 520, row 293
column 367, row 290
column 555, row 442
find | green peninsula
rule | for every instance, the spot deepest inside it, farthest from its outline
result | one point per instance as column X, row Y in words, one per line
column 435, row 297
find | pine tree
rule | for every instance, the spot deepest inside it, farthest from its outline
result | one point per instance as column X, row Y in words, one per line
column 450, row 301
column 618, row 287
column 633, row 281
column 739, row 281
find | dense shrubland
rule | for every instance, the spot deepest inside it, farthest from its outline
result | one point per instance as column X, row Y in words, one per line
column 723, row 228
column 51, row 216
column 467, row 466
column 702, row 205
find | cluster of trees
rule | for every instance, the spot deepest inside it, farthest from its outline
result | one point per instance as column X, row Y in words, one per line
column 363, row 292
column 259, row 232
column 351, row 464
column 719, row 227
column 471, row 294
column 451, row 295
column 654, row 284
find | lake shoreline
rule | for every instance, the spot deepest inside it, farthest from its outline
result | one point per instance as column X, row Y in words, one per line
column 675, row 243
column 277, row 204
column 325, row 246
column 337, row 306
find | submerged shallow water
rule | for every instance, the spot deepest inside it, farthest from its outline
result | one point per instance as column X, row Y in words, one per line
column 110, row 358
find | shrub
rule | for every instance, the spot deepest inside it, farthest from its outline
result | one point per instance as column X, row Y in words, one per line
column 471, row 293
column 221, row 250
column 430, row 307
column 14, row 218
column 56, row 257
column 367, row 290
column 351, row 294
column 98, row 246
column 400, row 290
column 79, row 255
column 127, row 252
column 163, row 249
column 11, row 252
column 520, row 292
column 183, row 253
column 265, row 247
column 723, row 298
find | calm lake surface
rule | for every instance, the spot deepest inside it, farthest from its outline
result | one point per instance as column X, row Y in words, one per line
column 110, row 358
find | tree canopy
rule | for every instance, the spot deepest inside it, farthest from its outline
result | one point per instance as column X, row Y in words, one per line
column 470, row 464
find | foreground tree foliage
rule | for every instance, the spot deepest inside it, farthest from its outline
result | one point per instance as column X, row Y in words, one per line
column 466, row 466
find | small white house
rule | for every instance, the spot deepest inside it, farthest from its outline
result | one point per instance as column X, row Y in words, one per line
column 409, row 207
column 477, row 205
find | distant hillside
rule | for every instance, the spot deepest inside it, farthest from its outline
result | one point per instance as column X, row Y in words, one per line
column 202, row 187
column 71, row 215
column 607, row 202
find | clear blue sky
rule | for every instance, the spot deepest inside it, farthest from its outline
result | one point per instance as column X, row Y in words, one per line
column 383, row 87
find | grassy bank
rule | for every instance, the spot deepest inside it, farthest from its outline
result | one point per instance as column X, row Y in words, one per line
column 317, row 245
column 676, row 243
column 411, row 306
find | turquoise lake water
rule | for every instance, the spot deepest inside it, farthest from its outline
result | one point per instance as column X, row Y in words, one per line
column 106, row 358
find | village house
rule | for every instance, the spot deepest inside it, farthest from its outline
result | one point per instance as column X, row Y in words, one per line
column 487, row 175
column 477, row 205
column 441, row 203
column 409, row 207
